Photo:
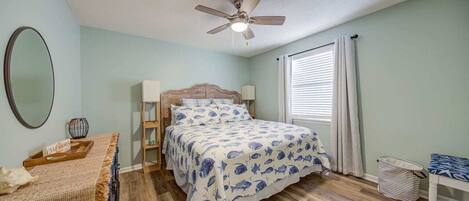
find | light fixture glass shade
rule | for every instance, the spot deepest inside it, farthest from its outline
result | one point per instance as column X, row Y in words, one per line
column 151, row 91
column 239, row 26
column 248, row 92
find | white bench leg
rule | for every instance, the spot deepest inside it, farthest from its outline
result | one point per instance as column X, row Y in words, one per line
column 433, row 188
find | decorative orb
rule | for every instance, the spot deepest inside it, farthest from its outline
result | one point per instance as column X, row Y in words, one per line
column 78, row 128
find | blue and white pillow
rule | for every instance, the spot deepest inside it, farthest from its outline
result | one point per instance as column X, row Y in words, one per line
column 190, row 102
column 233, row 112
column 219, row 101
column 194, row 116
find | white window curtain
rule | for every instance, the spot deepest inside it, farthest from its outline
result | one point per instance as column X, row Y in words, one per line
column 284, row 68
column 345, row 132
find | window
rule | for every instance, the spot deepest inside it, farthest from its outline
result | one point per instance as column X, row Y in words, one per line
column 311, row 84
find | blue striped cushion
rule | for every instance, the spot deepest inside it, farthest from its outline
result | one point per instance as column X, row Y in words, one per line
column 450, row 166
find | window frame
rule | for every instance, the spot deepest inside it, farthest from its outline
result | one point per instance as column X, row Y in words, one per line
column 310, row 118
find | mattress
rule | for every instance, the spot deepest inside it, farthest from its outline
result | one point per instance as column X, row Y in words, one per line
column 236, row 160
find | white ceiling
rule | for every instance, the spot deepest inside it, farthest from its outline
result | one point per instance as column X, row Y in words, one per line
column 177, row 21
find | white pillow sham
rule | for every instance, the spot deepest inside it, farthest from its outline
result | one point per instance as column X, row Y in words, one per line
column 222, row 101
column 233, row 112
column 194, row 116
column 193, row 102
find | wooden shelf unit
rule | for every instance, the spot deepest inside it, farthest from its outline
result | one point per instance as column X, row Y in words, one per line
column 150, row 166
column 151, row 124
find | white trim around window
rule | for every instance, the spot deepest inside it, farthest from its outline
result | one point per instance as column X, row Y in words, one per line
column 311, row 85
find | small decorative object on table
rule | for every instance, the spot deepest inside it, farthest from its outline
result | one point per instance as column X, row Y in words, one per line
column 58, row 147
column 78, row 128
column 12, row 179
column 58, row 152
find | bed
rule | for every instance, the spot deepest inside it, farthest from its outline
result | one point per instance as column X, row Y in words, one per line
column 241, row 160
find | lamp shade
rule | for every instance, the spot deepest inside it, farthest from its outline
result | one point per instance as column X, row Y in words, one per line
column 151, row 91
column 248, row 92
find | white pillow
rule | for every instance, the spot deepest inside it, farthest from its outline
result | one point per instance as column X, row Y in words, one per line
column 192, row 102
column 233, row 112
column 194, row 116
column 222, row 101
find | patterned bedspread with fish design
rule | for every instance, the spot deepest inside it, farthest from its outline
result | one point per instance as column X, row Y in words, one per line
column 232, row 160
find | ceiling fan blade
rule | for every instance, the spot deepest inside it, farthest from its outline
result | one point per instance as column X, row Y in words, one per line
column 211, row 11
column 248, row 34
column 218, row 29
column 249, row 5
column 267, row 20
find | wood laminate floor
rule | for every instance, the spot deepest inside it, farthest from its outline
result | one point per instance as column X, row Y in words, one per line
column 161, row 186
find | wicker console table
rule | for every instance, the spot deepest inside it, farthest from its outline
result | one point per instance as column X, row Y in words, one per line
column 93, row 178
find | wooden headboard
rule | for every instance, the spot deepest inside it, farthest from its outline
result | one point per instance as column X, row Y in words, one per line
column 173, row 97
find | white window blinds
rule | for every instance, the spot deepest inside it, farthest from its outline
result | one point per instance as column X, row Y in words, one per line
column 311, row 84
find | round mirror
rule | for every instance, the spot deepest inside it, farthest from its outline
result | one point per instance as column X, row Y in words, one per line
column 29, row 77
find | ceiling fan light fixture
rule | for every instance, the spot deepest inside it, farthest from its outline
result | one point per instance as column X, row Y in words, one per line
column 239, row 25
column 240, row 21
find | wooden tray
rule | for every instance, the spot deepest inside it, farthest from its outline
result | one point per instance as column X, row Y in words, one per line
column 79, row 149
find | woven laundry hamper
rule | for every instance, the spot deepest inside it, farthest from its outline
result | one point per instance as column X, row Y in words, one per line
column 399, row 179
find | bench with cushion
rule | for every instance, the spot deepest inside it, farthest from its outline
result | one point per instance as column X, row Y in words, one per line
column 448, row 170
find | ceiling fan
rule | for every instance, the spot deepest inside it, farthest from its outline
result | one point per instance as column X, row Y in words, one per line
column 240, row 21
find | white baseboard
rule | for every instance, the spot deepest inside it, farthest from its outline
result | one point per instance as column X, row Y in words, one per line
column 371, row 178
column 130, row 168
column 422, row 193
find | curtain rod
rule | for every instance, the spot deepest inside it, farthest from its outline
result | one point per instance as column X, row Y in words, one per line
column 353, row 37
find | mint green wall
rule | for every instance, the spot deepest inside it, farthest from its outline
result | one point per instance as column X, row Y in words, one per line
column 114, row 64
column 413, row 70
column 54, row 20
